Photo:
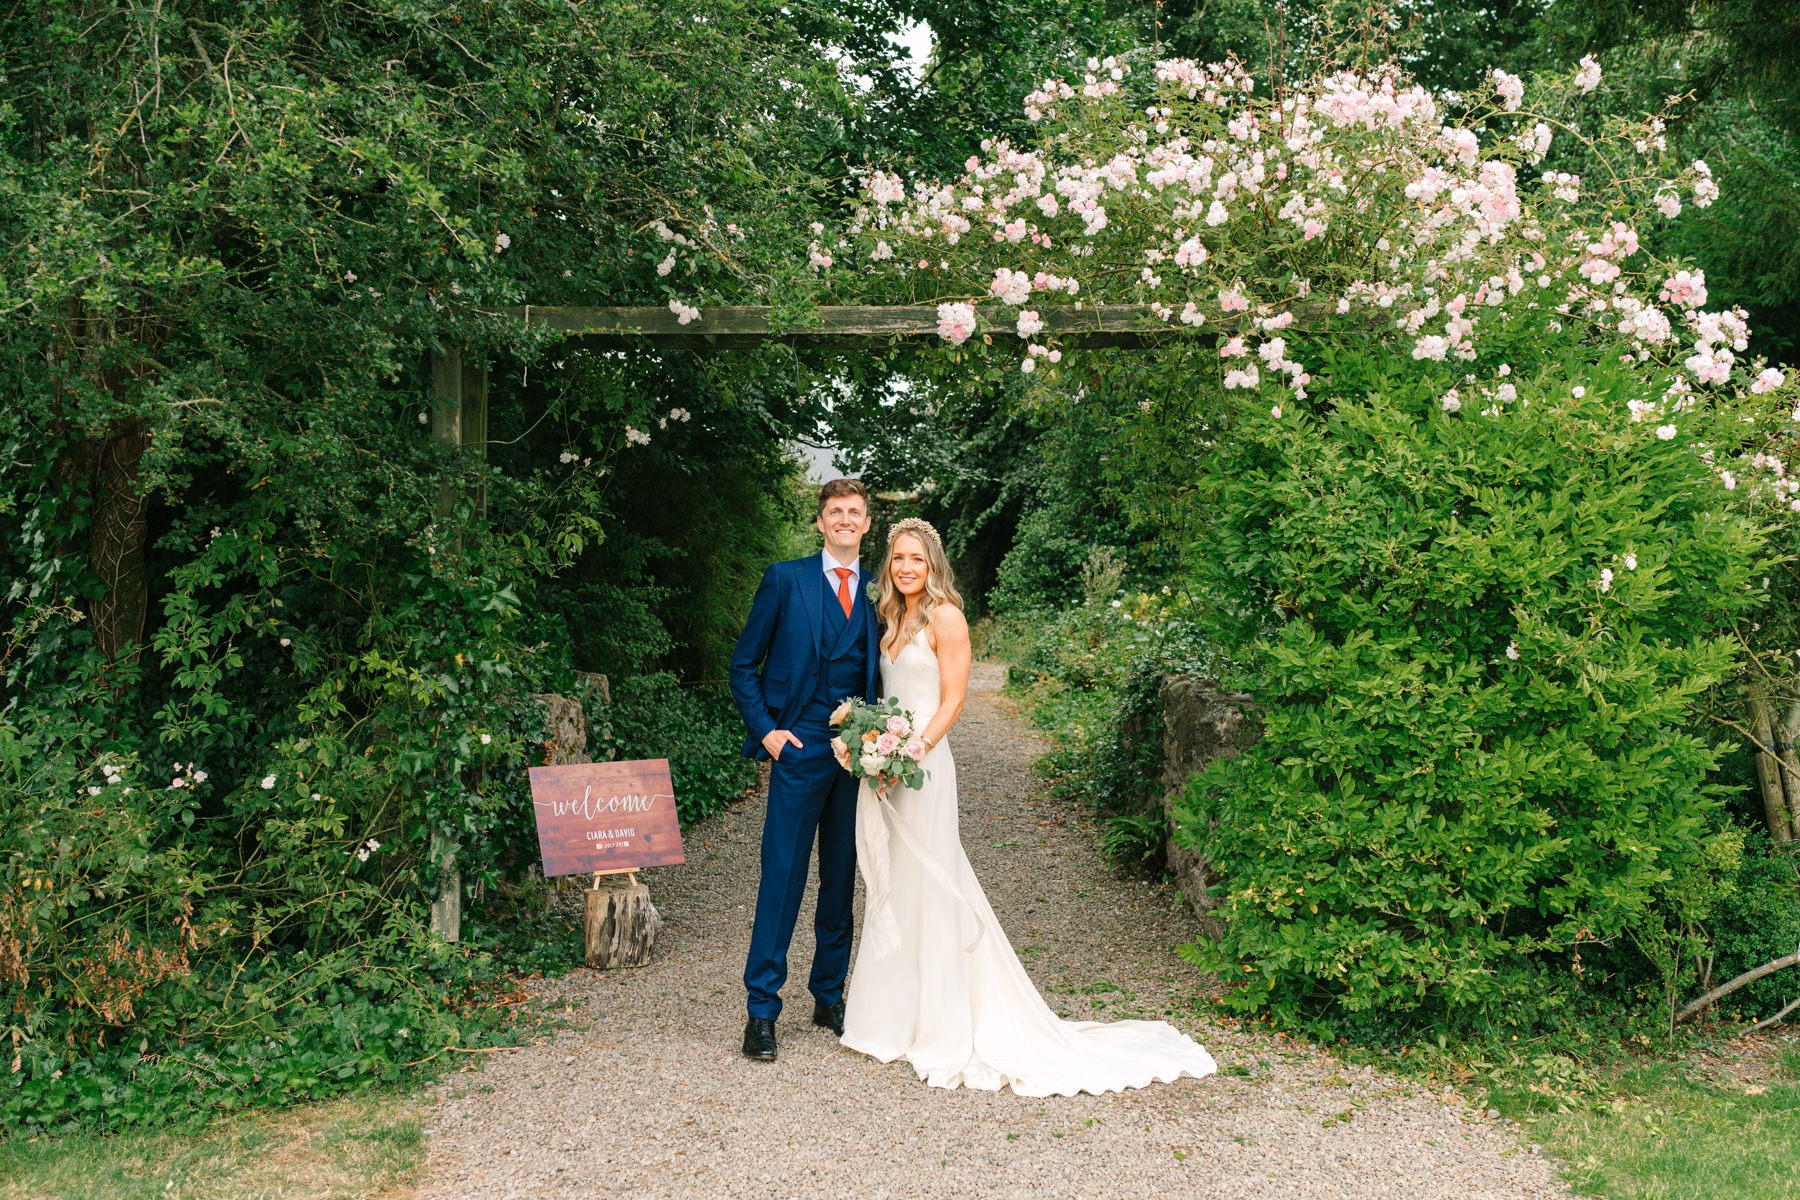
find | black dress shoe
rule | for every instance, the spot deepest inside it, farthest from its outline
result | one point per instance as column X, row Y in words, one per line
column 759, row 1039
column 829, row 1016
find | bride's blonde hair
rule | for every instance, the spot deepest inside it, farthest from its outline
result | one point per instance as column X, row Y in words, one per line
column 940, row 580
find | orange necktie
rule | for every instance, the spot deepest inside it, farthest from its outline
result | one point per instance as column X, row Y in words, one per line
column 844, row 574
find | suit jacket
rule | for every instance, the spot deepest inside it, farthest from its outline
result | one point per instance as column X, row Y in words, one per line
column 784, row 636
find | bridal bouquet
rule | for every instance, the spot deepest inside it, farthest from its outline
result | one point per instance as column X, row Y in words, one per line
column 877, row 742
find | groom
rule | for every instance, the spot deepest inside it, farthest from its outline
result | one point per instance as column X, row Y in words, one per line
column 812, row 632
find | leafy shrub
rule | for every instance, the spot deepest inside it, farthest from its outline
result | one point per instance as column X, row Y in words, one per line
column 175, row 940
column 1474, row 639
column 1759, row 920
column 1093, row 672
column 696, row 728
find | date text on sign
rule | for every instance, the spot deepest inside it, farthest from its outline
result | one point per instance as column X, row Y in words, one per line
column 612, row 816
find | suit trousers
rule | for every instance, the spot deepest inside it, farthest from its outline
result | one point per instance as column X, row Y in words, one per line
column 809, row 794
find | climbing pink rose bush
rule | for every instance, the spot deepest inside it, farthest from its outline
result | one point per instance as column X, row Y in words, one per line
column 1356, row 201
column 1486, row 497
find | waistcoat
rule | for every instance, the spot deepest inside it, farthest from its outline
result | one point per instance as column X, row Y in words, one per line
column 844, row 657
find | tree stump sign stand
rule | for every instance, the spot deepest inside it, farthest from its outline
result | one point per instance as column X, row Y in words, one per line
column 619, row 922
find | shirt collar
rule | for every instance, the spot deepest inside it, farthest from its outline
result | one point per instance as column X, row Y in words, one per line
column 832, row 565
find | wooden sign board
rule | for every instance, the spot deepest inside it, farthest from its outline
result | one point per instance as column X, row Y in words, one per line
column 613, row 816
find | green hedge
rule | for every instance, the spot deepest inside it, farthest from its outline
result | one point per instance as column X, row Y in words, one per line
column 1474, row 640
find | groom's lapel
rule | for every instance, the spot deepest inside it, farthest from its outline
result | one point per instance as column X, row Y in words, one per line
column 812, row 599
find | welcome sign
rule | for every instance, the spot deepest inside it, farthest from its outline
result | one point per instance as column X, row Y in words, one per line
column 614, row 816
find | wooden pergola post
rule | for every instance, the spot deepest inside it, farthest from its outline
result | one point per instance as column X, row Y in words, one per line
column 459, row 420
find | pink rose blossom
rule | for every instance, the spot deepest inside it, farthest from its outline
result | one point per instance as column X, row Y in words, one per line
column 956, row 322
column 898, row 727
column 915, row 749
column 886, row 744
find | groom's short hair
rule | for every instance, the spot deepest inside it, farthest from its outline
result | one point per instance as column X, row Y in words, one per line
column 842, row 487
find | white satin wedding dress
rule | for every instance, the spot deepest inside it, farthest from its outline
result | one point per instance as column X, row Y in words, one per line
column 937, row 983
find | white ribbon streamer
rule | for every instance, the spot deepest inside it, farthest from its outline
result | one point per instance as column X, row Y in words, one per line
column 881, row 930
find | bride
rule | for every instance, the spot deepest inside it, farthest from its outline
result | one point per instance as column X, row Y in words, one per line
column 936, row 982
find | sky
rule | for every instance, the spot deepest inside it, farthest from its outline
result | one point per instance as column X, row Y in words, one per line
column 917, row 39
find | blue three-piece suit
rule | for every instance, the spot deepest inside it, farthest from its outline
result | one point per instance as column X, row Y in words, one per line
column 811, row 657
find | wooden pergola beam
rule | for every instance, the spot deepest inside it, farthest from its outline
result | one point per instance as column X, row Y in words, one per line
column 842, row 326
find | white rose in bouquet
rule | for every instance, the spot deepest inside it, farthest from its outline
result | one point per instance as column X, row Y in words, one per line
column 874, row 764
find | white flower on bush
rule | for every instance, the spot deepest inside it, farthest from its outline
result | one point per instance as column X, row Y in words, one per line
column 1768, row 381
column 1705, row 190
column 1030, row 323
column 1631, row 562
column 268, row 783
column 1588, row 78
column 885, row 189
column 684, row 313
column 1729, row 480
column 956, row 322
column 1668, row 204
column 1432, row 347
column 1010, row 287
column 1512, row 651
column 487, row 738
column 501, row 242
column 1606, row 578
column 1665, row 433
column 1510, row 87
column 636, row 437
column 1451, row 401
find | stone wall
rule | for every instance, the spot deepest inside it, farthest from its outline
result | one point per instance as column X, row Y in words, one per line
column 1200, row 724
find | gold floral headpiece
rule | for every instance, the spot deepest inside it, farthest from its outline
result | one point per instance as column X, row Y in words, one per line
column 916, row 526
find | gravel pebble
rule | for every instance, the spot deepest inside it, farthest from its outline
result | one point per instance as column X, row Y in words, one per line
column 645, row 1094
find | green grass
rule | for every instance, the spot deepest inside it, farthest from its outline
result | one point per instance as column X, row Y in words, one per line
column 1663, row 1135
column 363, row 1146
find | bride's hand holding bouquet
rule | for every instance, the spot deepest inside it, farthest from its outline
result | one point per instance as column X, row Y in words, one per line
column 878, row 742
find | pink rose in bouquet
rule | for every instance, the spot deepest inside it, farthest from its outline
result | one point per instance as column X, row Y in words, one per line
column 876, row 743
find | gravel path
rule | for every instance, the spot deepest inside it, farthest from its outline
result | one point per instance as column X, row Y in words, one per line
column 646, row 1094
